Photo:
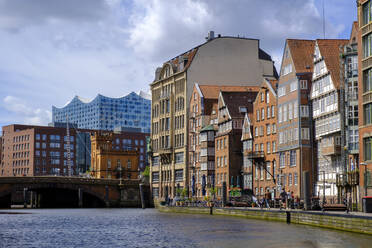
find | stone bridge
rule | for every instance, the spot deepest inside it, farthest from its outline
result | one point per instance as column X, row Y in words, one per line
column 60, row 192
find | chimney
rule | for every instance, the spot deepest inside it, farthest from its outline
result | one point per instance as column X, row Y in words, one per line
column 210, row 36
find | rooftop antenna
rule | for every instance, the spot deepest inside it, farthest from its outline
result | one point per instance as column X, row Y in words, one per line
column 323, row 22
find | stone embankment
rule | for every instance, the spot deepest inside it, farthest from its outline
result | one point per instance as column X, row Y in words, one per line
column 352, row 222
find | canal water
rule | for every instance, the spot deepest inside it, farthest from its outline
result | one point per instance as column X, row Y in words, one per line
column 149, row 228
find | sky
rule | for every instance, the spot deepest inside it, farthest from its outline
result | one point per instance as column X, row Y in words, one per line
column 52, row 50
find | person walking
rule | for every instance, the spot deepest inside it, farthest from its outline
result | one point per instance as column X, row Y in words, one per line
column 283, row 198
column 268, row 198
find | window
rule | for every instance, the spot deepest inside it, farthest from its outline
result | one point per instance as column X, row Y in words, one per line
column 272, row 111
column 305, row 133
column 262, row 114
column 367, row 12
column 268, row 112
column 290, row 179
column 367, row 114
column 179, row 157
column 367, row 148
column 293, row 86
column 367, row 45
column 267, row 97
column 282, row 160
column 295, row 109
column 37, row 144
column 281, row 91
column 129, row 163
column 179, row 175
column 268, row 131
column 290, row 111
column 155, row 177
column 262, row 147
column 280, row 114
column 292, row 158
column 285, row 113
column 258, row 115
column 287, row 69
column 262, row 97
column 303, row 84
column 261, row 173
column 37, row 136
column 304, row 111
column 274, row 128
column 295, row 178
column 256, row 131
column 268, row 168
column 274, row 146
column 268, row 148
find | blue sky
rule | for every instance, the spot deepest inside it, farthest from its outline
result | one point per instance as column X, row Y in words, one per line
column 52, row 50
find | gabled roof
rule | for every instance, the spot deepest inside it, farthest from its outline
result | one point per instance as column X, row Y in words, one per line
column 330, row 51
column 212, row 91
column 234, row 100
column 354, row 33
column 302, row 54
column 247, row 123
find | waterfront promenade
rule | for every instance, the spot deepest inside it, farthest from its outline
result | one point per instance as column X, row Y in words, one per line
column 352, row 222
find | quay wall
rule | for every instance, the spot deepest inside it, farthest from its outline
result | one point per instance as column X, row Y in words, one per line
column 338, row 221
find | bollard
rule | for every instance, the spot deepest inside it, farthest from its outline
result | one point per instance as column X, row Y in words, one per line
column 288, row 217
column 211, row 210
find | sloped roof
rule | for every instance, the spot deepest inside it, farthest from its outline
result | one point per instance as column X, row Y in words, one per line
column 234, row 100
column 212, row 91
column 330, row 51
column 209, row 127
column 302, row 54
column 354, row 33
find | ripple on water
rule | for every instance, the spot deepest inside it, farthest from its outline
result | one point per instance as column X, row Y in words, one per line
column 148, row 228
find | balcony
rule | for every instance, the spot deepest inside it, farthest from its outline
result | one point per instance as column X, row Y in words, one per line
column 367, row 97
column 367, row 62
column 257, row 155
column 366, row 29
column 331, row 150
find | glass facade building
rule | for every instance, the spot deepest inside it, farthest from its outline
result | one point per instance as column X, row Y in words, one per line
column 105, row 113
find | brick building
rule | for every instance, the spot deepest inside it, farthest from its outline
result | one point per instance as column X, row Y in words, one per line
column 111, row 159
column 295, row 128
column 259, row 143
column 220, row 60
column 42, row 150
column 37, row 151
column 365, row 95
column 203, row 125
column 232, row 107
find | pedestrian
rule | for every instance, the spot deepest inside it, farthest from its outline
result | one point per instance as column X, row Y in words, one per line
column 283, row 197
column 268, row 198
column 289, row 199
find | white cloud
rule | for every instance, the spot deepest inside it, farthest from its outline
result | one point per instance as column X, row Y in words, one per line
column 58, row 49
column 20, row 109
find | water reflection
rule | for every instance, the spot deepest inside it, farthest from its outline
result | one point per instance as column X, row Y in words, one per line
column 148, row 228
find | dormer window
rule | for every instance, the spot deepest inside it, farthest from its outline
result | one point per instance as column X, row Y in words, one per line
column 242, row 110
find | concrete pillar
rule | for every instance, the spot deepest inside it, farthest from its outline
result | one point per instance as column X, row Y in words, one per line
column 80, row 198
column 143, row 204
column 24, row 197
column 38, row 200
